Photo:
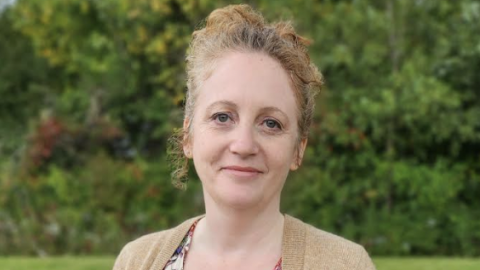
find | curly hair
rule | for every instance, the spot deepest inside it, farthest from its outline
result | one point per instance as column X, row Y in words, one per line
column 239, row 28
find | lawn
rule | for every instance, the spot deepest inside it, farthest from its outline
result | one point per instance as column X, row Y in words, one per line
column 56, row 263
column 102, row 263
column 427, row 264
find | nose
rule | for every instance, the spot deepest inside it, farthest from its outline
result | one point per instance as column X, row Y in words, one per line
column 243, row 141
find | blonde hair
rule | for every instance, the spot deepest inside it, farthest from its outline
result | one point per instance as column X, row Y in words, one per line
column 239, row 28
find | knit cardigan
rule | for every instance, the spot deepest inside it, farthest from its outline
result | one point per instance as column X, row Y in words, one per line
column 303, row 247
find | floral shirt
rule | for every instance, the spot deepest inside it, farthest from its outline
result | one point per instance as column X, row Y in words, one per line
column 177, row 260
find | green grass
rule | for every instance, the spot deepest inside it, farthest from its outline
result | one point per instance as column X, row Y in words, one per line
column 56, row 263
column 427, row 263
column 102, row 263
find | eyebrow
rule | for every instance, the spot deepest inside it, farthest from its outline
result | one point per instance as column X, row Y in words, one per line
column 226, row 103
column 274, row 109
column 223, row 103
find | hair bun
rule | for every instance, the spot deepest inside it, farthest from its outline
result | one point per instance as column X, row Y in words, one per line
column 232, row 17
column 285, row 30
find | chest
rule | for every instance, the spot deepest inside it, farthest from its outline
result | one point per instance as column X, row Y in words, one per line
column 198, row 261
column 187, row 258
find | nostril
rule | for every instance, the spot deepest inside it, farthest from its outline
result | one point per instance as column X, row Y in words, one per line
column 244, row 144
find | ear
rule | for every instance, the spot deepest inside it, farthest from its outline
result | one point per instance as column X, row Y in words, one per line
column 187, row 148
column 297, row 160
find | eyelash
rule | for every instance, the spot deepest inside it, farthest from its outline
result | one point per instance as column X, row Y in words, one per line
column 215, row 117
column 278, row 125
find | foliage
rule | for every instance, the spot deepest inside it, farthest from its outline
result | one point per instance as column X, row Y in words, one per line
column 397, row 147
column 91, row 91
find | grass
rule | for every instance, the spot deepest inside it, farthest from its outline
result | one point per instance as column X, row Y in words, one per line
column 102, row 263
column 427, row 263
column 56, row 263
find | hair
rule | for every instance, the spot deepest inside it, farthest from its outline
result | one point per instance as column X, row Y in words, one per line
column 239, row 28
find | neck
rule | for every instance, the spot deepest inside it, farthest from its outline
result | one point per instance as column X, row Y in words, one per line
column 228, row 230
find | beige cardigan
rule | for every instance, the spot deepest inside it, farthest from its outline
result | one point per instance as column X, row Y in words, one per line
column 303, row 247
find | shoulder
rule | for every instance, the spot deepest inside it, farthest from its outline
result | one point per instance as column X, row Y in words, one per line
column 144, row 243
column 324, row 250
column 152, row 249
column 325, row 247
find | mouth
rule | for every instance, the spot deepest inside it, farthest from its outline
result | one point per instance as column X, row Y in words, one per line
column 242, row 171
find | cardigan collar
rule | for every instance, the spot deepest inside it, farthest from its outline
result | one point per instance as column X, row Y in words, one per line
column 293, row 243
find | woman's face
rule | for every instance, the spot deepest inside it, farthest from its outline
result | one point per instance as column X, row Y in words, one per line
column 244, row 131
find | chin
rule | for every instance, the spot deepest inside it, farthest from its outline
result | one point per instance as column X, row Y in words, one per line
column 240, row 204
column 238, row 197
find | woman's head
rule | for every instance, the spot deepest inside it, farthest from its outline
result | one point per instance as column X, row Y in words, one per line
column 240, row 29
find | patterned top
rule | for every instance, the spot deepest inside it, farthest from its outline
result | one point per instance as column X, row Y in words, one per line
column 177, row 260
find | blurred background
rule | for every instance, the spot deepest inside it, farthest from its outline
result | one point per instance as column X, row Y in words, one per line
column 90, row 92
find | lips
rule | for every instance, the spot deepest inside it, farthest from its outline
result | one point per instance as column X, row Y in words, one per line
column 241, row 171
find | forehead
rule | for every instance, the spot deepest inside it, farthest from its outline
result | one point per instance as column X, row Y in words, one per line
column 253, row 79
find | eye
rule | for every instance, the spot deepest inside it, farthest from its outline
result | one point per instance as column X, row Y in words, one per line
column 221, row 117
column 272, row 124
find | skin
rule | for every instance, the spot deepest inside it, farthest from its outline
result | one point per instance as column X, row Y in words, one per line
column 244, row 142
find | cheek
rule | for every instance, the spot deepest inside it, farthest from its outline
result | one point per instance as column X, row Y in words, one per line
column 281, row 154
column 205, row 145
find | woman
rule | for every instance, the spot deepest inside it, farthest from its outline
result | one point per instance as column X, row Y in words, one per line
column 250, row 101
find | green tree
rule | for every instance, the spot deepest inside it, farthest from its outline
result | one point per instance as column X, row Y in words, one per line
column 397, row 147
column 90, row 91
